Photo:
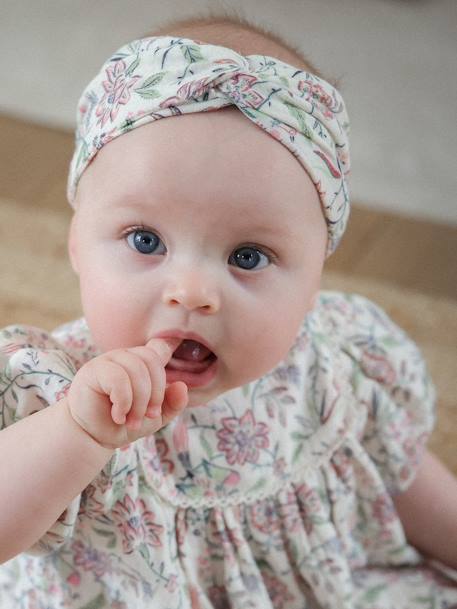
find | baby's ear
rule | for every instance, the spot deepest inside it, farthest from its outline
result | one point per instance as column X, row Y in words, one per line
column 72, row 250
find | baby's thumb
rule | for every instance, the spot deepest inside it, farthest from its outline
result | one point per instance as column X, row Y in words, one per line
column 164, row 347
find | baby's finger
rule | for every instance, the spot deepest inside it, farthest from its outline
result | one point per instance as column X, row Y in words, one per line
column 140, row 382
column 111, row 379
column 176, row 399
column 164, row 347
column 155, row 364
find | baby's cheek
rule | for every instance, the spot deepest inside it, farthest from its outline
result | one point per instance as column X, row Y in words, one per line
column 111, row 315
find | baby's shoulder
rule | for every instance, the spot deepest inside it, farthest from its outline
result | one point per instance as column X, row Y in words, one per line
column 75, row 338
column 35, row 370
column 72, row 338
column 348, row 317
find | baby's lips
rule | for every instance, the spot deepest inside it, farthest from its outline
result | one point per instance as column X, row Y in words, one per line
column 164, row 347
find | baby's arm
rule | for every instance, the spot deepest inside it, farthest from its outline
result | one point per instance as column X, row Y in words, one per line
column 49, row 457
column 428, row 511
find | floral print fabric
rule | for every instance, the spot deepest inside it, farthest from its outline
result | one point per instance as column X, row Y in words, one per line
column 276, row 495
column 165, row 76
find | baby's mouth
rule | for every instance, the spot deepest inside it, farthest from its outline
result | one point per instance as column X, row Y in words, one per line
column 191, row 356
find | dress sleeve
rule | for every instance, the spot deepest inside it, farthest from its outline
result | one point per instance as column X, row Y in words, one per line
column 35, row 372
column 393, row 388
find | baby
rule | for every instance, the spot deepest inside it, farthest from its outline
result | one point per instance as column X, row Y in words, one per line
column 217, row 432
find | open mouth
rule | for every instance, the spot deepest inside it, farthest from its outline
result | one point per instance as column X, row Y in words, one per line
column 192, row 363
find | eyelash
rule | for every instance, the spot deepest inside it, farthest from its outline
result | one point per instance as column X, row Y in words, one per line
column 272, row 258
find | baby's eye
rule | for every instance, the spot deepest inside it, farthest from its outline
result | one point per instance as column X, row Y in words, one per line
column 145, row 242
column 248, row 258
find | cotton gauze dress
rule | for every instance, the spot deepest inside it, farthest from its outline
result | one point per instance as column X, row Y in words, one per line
column 274, row 495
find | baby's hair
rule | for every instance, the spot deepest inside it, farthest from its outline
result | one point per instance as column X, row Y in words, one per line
column 228, row 28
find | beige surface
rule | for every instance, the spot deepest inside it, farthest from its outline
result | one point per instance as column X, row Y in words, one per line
column 407, row 267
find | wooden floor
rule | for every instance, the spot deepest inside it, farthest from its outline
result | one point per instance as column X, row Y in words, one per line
column 407, row 266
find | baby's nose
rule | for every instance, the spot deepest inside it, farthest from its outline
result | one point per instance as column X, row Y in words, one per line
column 193, row 291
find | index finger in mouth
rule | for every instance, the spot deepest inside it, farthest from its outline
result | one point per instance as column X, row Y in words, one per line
column 164, row 347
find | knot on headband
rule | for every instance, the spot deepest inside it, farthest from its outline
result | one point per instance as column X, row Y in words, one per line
column 162, row 76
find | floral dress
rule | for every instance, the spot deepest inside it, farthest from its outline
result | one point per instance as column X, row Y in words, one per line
column 276, row 495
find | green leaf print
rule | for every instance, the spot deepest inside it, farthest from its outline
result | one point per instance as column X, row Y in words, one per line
column 300, row 118
column 146, row 90
column 96, row 603
column 427, row 601
column 191, row 53
column 390, row 341
column 297, row 452
column 132, row 67
column 206, row 446
column 258, row 485
column 153, row 80
column 147, row 93
column 110, row 534
column 373, row 593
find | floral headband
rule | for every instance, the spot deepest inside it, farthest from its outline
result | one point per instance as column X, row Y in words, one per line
column 161, row 76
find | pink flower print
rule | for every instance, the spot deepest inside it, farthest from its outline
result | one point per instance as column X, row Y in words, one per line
column 383, row 510
column 218, row 597
column 343, row 465
column 309, row 505
column 277, row 591
column 232, row 479
column 117, row 92
column 91, row 559
column 181, row 528
column 136, row 524
column 62, row 393
column 330, row 166
column 315, row 92
column 195, row 88
column 378, row 367
column 264, row 516
column 289, row 513
column 172, row 583
column 280, row 469
column 90, row 507
column 74, row 579
column 167, row 465
column 157, row 449
column 223, row 537
column 10, row 348
column 242, row 91
column 242, row 438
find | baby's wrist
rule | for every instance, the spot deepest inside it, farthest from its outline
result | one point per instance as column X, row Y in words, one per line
column 83, row 431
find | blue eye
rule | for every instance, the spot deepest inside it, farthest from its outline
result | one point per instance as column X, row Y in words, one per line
column 145, row 242
column 248, row 258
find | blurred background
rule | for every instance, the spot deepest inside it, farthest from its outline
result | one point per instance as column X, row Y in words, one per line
column 396, row 62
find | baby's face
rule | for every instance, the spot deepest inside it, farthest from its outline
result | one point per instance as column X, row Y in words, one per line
column 203, row 224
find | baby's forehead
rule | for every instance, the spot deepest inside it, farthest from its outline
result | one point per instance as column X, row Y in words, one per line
column 219, row 154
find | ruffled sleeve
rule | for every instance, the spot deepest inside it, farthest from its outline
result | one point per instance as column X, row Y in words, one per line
column 394, row 392
column 35, row 372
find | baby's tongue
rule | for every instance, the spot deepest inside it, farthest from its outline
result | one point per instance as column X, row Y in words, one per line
column 190, row 350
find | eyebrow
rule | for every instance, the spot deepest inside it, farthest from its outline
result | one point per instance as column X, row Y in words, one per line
column 277, row 230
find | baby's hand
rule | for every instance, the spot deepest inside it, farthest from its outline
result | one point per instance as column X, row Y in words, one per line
column 121, row 395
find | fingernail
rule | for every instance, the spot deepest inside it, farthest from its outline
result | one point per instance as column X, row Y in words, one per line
column 164, row 347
